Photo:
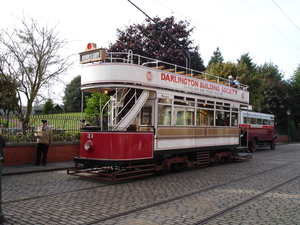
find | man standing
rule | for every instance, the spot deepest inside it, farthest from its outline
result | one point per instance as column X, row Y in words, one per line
column 44, row 140
column 2, row 145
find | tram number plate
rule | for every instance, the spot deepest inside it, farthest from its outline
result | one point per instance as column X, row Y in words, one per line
column 90, row 136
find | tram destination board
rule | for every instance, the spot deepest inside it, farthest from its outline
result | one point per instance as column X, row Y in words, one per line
column 92, row 56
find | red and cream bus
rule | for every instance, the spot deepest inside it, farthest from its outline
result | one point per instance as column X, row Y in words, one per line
column 258, row 130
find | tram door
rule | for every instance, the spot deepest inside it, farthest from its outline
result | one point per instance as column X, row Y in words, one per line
column 146, row 117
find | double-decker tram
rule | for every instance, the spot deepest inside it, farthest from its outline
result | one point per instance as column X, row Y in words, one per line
column 258, row 130
column 160, row 117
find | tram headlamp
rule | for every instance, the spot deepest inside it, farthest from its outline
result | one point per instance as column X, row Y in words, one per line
column 89, row 146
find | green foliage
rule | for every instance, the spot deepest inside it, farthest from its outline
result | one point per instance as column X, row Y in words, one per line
column 216, row 57
column 48, row 106
column 149, row 40
column 72, row 99
column 293, row 102
column 92, row 111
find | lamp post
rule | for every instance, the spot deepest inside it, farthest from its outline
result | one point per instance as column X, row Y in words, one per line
column 288, row 112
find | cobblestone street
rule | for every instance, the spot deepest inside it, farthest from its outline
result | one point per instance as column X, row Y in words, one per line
column 263, row 190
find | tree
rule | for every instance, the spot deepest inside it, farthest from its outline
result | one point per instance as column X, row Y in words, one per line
column 31, row 58
column 294, row 98
column 216, row 57
column 92, row 111
column 48, row 106
column 275, row 92
column 147, row 39
column 247, row 71
column 72, row 99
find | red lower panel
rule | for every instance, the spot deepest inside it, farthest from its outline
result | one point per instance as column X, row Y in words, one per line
column 117, row 145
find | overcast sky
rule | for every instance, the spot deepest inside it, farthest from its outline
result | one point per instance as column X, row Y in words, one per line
column 269, row 30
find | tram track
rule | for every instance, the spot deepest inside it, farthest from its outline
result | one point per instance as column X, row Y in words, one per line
column 200, row 222
column 202, row 191
column 114, row 202
column 126, row 182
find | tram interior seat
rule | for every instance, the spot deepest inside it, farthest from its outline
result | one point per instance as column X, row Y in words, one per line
column 190, row 75
column 170, row 70
column 213, row 80
column 159, row 67
column 199, row 77
column 180, row 72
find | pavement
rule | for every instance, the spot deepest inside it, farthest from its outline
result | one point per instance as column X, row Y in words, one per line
column 28, row 168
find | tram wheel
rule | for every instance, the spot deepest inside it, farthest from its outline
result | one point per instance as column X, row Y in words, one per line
column 159, row 172
column 252, row 146
column 178, row 167
column 273, row 144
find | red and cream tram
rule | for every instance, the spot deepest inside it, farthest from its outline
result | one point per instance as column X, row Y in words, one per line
column 160, row 117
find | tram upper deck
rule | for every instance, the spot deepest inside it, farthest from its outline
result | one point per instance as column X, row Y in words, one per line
column 118, row 69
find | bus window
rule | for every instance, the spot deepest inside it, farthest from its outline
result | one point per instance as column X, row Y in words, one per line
column 164, row 115
column 252, row 120
column 245, row 120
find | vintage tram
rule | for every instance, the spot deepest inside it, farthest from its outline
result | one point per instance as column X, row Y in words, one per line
column 160, row 117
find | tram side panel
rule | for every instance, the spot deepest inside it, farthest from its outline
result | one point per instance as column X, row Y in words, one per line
column 111, row 148
column 198, row 138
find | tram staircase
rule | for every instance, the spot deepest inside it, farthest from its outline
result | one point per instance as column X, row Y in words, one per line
column 203, row 159
column 132, row 101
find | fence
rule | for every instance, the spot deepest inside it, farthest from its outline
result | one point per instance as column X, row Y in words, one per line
column 65, row 128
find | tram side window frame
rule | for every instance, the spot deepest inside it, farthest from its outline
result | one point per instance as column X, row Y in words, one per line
column 164, row 116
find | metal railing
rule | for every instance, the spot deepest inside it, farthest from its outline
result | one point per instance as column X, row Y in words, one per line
column 65, row 128
column 129, row 57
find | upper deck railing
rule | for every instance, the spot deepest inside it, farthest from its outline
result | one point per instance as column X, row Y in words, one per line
column 129, row 57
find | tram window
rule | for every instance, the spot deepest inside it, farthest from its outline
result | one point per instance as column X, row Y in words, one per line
column 245, row 120
column 166, row 101
column 178, row 97
column 183, row 116
column 180, row 102
column 205, row 117
column 206, row 106
column 190, row 103
column 222, row 118
column 201, row 101
column 223, row 108
column 234, row 119
column 146, row 115
column 164, row 115
column 259, row 121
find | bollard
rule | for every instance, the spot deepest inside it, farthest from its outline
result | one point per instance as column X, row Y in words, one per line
column 1, row 214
